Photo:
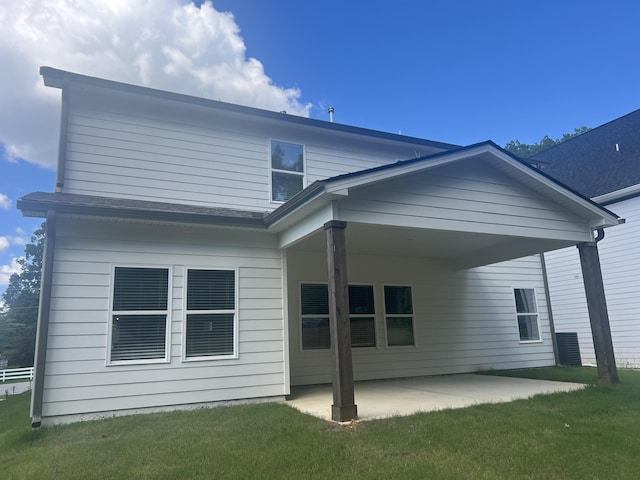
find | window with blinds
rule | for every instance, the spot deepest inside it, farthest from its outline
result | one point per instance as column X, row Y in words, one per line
column 139, row 314
column 314, row 309
column 211, row 313
column 398, row 308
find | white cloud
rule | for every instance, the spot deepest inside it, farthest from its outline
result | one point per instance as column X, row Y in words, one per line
column 5, row 202
column 7, row 270
column 4, row 244
column 166, row 44
column 20, row 238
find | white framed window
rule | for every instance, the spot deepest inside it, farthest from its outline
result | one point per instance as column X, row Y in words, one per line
column 362, row 316
column 314, row 315
column 211, row 314
column 527, row 314
column 287, row 170
column 398, row 310
column 139, row 326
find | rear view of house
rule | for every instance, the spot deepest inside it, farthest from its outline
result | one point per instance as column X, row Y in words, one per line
column 203, row 253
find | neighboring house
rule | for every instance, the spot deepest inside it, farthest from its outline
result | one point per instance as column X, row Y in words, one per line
column 603, row 164
column 187, row 263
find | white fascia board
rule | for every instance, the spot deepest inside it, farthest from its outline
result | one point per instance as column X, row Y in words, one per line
column 307, row 226
column 623, row 193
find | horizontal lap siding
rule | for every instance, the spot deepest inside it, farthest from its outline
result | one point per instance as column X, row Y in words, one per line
column 465, row 321
column 132, row 148
column 620, row 262
column 465, row 197
column 77, row 381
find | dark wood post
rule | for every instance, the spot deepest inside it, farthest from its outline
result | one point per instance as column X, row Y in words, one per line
column 344, row 407
column 598, row 316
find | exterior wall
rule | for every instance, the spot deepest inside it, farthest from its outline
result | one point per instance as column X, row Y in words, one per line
column 137, row 149
column 77, row 379
column 464, row 321
column 469, row 197
column 620, row 262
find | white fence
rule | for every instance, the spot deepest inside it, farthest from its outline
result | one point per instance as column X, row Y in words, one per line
column 16, row 374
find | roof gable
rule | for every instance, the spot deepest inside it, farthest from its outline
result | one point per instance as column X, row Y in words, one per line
column 323, row 192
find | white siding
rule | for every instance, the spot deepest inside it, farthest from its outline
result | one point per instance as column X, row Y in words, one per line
column 465, row 321
column 620, row 262
column 77, row 380
column 132, row 148
column 466, row 197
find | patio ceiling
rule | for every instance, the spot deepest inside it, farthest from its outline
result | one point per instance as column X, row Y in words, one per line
column 459, row 249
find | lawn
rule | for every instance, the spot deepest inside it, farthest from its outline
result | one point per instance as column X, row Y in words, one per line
column 588, row 434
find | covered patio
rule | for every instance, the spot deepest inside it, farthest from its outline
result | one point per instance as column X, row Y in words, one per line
column 406, row 396
column 427, row 226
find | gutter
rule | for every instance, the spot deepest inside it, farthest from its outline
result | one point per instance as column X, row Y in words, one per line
column 44, row 309
column 618, row 195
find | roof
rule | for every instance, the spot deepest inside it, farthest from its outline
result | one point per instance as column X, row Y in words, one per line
column 62, row 79
column 603, row 160
column 38, row 203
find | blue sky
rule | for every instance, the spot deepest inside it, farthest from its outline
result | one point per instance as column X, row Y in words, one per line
column 452, row 71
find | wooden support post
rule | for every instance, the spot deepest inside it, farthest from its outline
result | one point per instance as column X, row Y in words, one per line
column 598, row 316
column 344, row 407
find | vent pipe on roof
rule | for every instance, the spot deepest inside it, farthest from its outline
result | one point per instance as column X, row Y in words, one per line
column 331, row 110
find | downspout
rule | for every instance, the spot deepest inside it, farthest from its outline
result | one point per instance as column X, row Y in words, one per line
column 43, row 319
column 547, row 294
column 62, row 144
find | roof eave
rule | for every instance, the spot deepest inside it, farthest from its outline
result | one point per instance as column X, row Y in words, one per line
column 38, row 207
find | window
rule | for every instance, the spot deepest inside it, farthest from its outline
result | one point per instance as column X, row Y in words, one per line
column 211, row 313
column 527, row 313
column 362, row 316
column 398, row 309
column 139, row 314
column 287, row 170
column 314, row 306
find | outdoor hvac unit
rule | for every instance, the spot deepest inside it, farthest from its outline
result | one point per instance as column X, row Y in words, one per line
column 568, row 349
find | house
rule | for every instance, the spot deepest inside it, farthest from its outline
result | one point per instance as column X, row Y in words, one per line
column 604, row 165
column 205, row 253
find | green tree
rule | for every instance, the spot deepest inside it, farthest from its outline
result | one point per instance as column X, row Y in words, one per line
column 526, row 150
column 19, row 318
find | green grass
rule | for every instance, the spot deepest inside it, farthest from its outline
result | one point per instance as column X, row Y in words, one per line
column 587, row 434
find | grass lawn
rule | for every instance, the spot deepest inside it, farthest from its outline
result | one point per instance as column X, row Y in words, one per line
column 588, row 434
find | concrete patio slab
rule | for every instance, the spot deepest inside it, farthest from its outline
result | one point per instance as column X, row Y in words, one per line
column 405, row 396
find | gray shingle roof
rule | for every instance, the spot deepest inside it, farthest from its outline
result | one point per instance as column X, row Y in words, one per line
column 602, row 160
column 38, row 203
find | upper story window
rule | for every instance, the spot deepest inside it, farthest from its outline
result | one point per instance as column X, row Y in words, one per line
column 287, row 170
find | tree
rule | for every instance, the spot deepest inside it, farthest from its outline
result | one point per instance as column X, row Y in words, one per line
column 526, row 150
column 19, row 318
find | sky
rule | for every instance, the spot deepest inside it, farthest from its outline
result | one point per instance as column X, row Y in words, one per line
column 454, row 71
